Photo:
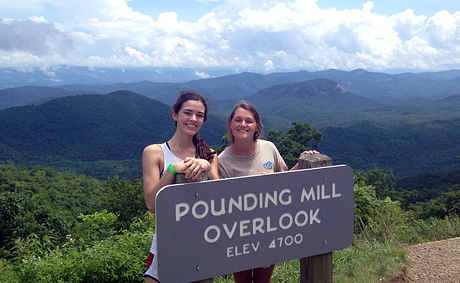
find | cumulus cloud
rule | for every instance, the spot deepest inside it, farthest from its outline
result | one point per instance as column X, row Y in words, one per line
column 253, row 35
column 33, row 36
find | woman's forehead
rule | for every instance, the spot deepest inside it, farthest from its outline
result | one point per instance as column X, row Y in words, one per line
column 194, row 105
column 241, row 112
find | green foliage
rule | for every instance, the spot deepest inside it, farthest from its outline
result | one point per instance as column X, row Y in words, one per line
column 95, row 227
column 102, row 248
column 299, row 137
column 124, row 198
column 65, row 193
column 221, row 148
column 20, row 216
column 116, row 259
column 367, row 261
column 428, row 185
column 448, row 203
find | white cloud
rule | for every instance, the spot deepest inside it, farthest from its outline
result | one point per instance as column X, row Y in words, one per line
column 202, row 75
column 32, row 36
column 251, row 35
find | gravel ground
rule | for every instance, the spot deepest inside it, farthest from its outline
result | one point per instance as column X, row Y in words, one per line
column 431, row 262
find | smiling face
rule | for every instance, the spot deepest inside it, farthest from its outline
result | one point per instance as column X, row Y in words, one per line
column 190, row 117
column 246, row 115
column 243, row 125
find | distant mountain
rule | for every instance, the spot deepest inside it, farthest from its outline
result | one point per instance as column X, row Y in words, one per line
column 409, row 89
column 323, row 103
column 29, row 94
column 71, row 75
column 405, row 149
column 84, row 133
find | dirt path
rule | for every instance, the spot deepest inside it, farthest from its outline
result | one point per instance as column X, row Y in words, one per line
column 431, row 262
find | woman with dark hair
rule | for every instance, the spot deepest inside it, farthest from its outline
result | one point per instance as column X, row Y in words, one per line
column 186, row 152
column 247, row 155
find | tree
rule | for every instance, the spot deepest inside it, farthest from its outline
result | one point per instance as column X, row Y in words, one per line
column 221, row 148
column 299, row 137
column 124, row 198
column 20, row 216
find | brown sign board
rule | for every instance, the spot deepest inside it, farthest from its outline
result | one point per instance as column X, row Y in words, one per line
column 211, row 228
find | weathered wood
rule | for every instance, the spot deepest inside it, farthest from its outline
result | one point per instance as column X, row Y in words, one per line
column 179, row 179
column 315, row 269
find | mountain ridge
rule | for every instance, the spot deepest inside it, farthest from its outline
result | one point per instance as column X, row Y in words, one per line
column 382, row 87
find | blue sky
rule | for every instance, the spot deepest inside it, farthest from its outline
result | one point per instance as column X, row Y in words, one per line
column 242, row 35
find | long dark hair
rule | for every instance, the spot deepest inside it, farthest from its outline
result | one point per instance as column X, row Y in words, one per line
column 202, row 150
column 251, row 108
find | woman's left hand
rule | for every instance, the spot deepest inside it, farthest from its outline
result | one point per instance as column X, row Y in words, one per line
column 194, row 168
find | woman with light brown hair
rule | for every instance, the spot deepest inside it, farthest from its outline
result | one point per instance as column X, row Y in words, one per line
column 248, row 154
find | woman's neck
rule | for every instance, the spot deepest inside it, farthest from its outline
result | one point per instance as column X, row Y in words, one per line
column 244, row 148
column 182, row 145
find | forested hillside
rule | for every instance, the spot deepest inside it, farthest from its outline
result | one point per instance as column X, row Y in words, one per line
column 96, row 135
column 104, row 135
column 404, row 149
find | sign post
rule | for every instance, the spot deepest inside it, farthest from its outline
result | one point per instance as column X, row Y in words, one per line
column 317, row 268
column 211, row 228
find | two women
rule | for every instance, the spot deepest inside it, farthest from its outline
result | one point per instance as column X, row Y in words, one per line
column 186, row 152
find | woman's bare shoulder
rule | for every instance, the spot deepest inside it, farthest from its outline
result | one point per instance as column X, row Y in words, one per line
column 153, row 149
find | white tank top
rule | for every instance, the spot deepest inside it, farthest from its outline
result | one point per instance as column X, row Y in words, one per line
column 169, row 158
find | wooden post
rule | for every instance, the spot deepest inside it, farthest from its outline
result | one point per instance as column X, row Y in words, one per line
column 178, row 179
column 315, row 269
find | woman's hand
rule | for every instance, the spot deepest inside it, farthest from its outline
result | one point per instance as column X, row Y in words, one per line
column 193, row 168
column 309, row 152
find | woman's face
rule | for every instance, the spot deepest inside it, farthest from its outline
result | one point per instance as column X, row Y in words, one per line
column 190, row 118
column 243, row 125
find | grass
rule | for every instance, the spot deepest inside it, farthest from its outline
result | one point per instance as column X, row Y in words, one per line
column 364, row 261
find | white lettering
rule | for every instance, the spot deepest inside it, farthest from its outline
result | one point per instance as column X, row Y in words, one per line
column 289, row 198
column 289, row 217
column 247, row 207
column 238, row 205
column 296, row 219
column 257, row 225
column 206, row 234
column 179, row 212
column 313, row 217
column 242, row 250
column 230, row 233
column 307, row 196
column 269, row 228
column 222, row 207
column 323, row 193
column 244, row 226
column 334, row 195
column 204, row 213
column 273, row 198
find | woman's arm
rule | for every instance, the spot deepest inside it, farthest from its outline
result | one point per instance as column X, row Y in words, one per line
column 194, row 168
column 152, row 165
